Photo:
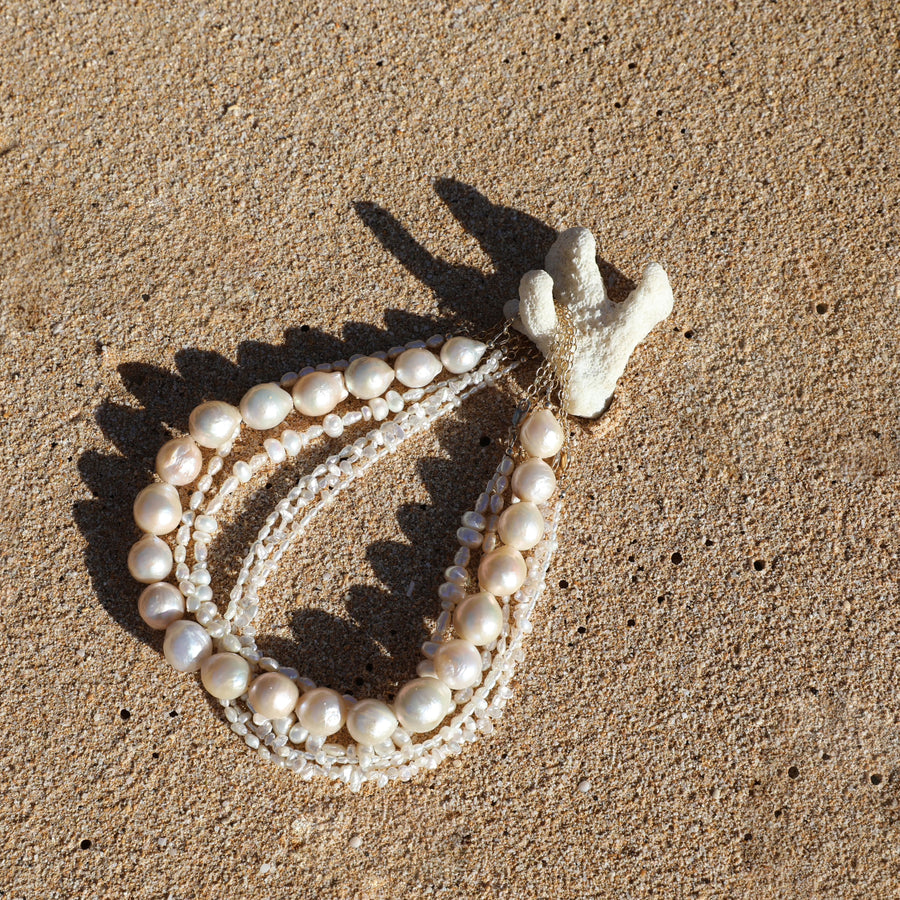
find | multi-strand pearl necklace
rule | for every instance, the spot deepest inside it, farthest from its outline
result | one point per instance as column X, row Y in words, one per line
column 463, row 679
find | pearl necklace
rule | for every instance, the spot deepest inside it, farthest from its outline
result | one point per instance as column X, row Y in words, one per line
column 463, row 680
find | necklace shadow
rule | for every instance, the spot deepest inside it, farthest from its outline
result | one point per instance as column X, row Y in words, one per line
column 379, row 628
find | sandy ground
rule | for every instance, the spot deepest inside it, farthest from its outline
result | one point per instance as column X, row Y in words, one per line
column 196, row 197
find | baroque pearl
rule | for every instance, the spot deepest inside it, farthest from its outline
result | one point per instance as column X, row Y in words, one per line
column 417, row 367
column 157, row 509
column 160, row 605
column 458, row 664
column 461, row 354
column 265, row 406
column 186, row 645
column 321, row 712
column 214, row 423
column 422, row 703
column 371, row 722
column 478, row 618
column 318, row 393
column 225, row 675
column 150, row 559
column 273, row 695
column 521, row 525
column 533, row 480
column 541, row 435
column 179, row 461
column 368, row 377
column 502, row 571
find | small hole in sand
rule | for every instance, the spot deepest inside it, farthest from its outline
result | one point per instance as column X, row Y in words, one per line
column 85, row 844
column 821, row 308
column 563, row 583
column 630, row 623
column 125, row 714
column 876, row 780
column 304, row 327
column 759, row 564
column 676, row 558
column 793, row 772
column 484, row 440
column 581, row 629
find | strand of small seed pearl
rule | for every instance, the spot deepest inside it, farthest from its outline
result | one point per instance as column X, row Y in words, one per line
column 272, row 737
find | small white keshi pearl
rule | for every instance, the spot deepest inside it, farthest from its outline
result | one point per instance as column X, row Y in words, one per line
column 502, row 572
column 186, row 645
column 150, row 559
column 179, row 461
column 521, row 525
column 368, row 377
column 541, row 435
column 417, row 367
column 225, row 675
column 321, row 712
column 213, row 424
column 478, row 618
column 318, row 393
column 534, row 480
column 461, row 354
column 266, row 406
column 371, row 722
column 458, row 664
column 422, row 704
column 157, row 509
column 160, row 605
column 273, row 695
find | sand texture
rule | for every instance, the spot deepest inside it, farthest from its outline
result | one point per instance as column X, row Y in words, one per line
column 197, row 197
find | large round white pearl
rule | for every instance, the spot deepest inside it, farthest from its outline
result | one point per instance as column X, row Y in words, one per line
column 157, row 509
column 478, row 618
column 371, row 722
column 225, row 675
column 461, row 354
column 265, row 406
column 541, row 435
column 186, row 645
column 421, row 704
column 160, row 605
column 321, row 712
column 214, row 423
column 368, row 377
column 150, row 559
column 458, row 664
column 533, row 480
column 273, row 695
column 521, row 525
column 502, row 571
column 318, row 393
column 179, row 461
column 417, row 367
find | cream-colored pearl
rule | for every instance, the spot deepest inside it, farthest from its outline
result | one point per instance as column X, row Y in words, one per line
column 422, row 704
column 186, row 645
column 265, row 406
column 150, row 559
column 371, row 722
column 541, row 435
column 461, row 354
column 214, row 423
column 225, row 675
column 478, row 618
column 458, row 664
column 321, row 712
column 417, row 367
column 157, row 509
column 502, row 571
column 179, row 461
column 521, row 525
column 533, row 480
column 368, row 377
column 318, row 393
column 160, row 605
column 273, row 695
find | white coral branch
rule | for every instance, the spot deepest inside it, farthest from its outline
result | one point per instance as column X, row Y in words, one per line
column 606, row 333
